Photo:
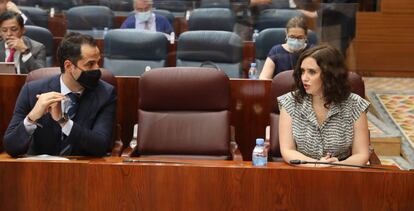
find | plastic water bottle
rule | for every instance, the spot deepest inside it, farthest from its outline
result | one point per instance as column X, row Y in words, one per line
column 147, row 68
column 253, row 71
column 259, row 156
column 255, row 35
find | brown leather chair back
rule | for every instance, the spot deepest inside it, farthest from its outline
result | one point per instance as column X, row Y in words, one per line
column 283, row 83
column 51, row 71
column 184, row 111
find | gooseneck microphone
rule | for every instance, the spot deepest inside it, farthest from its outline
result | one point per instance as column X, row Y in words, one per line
column 297, row 162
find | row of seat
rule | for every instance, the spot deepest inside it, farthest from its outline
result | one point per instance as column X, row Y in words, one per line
column 128, row 52
column 127, row 5
column 100, row 17
column 189, row 116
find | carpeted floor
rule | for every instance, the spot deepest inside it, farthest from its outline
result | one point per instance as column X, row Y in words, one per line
column 393, row 102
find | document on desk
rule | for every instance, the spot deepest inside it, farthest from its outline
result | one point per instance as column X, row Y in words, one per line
column 43, row 157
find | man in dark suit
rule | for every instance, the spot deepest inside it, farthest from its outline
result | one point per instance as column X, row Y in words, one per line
column 26, row 53
column 67, row 114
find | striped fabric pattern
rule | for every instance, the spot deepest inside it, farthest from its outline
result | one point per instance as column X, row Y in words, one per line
column 334, row 135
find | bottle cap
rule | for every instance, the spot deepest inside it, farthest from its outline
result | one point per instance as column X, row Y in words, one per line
column 259, row 141
column 253, row 64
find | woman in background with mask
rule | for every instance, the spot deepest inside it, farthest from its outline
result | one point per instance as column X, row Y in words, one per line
column 283, row 57
column 145, row 19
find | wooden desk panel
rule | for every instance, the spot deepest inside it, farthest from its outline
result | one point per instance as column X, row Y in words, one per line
column 9, row 90
column 109, row 184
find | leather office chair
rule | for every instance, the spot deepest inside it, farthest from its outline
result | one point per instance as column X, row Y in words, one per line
column 270, row 37
column 283, row 83
column 173, row 5
column 84, row 19
column 57, row 4
column 222, row 48
column 37, row 16
column 220, row 19
column 128, row 51
column 184, row 112
column 45, row 37
column 106, row 76
column 215, row 4
column 274, row 18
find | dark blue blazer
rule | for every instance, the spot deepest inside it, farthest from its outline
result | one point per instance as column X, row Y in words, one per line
column 91, row 133
column 161, row 24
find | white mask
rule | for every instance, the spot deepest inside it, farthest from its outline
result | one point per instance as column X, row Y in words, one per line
column 296, row 44
column 143, row 16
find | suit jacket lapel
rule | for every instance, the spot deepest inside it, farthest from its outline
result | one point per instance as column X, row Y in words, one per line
column 87, row 107
column 2, row 52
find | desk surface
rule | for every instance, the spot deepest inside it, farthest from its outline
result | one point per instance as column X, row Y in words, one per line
column 110, row 184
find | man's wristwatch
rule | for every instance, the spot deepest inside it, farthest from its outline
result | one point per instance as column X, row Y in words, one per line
column 26, row 51
column 63, row 119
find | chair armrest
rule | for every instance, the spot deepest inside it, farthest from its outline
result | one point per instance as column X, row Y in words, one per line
column 130, row 151
column 234, row 149
column 118, row 145
column 267, row 138
column 373, row 159
column 235, row 152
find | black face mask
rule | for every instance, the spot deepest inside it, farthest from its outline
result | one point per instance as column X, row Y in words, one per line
column 89, row 78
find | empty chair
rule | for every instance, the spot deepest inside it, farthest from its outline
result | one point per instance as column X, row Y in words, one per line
column 184, row 112
column 129, row 51
column 222, row 48
column 36, row 16
column 57, row 4
column 173, row 5
column 45, row 37
column 90, row 19
column 270, row 37
column 283, row 83
column 221, row 19
column 274, row 18
column 215, row 4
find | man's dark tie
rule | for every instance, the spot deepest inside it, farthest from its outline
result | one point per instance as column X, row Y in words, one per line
column 65, row 148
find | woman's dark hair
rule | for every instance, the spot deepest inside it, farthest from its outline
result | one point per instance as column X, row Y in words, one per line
column 70, row 48
column 334, row 74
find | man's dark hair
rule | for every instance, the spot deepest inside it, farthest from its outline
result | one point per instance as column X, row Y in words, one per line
column 12, row 15
column 70, row 48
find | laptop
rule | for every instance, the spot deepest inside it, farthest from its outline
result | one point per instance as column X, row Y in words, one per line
column 7, row 68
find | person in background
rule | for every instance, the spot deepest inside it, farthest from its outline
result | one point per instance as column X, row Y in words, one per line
column 322, row 120
column 283, row 57
column 67, row 114
column 7, row 5
column 26, row 53
column 145, row 19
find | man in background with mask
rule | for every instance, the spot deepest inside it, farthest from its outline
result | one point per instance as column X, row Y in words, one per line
column 68, row 114
column 145, row 19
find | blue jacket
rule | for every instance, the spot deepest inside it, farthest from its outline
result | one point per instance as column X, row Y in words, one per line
column 91, row 133
column 161, row 24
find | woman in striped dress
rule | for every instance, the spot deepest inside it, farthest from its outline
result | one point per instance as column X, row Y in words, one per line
column 322, row 120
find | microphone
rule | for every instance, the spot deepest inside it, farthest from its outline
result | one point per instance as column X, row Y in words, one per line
column 297, row 162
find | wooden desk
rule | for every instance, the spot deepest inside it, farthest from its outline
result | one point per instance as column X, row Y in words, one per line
column 110, row 184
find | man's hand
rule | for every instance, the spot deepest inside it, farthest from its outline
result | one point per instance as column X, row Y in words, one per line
column 47, row 102
column 16, row 43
